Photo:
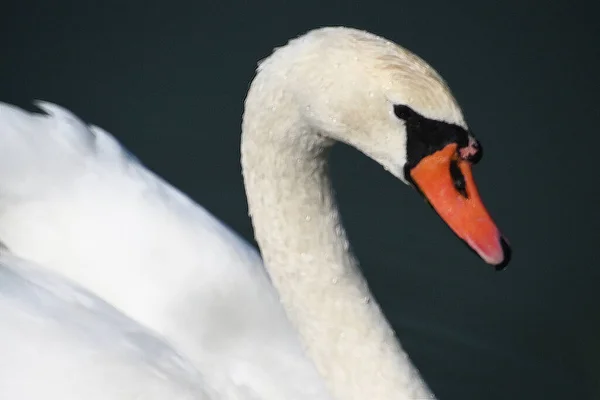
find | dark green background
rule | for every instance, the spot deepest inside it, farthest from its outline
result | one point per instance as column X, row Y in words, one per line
column 169, row 81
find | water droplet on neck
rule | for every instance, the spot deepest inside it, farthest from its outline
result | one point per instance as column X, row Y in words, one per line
column 305, row 257
column 307, row 218
column 366, row 300
column 334, row 281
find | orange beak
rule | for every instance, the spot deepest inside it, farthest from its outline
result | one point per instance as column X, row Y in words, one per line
column 447, row 183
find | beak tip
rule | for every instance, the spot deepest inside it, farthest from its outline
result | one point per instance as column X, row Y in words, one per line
column 507, row 252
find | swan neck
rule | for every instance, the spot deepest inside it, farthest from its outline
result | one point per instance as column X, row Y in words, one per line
column 305, row 250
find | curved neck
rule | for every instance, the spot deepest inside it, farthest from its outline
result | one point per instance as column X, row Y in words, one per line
column 305, row 250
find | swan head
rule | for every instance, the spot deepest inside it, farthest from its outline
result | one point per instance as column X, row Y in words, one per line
column 358, row 88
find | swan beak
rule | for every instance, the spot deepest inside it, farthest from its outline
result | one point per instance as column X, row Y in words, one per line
column 446, row 181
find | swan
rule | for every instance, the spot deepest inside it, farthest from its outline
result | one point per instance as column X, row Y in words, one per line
column 296, row 321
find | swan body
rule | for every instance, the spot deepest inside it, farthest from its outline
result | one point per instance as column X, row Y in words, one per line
column 76, row 203
column 54, row 329
column 303, row 325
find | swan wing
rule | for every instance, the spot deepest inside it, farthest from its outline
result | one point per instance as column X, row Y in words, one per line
column 73, row 200
column 59, row 341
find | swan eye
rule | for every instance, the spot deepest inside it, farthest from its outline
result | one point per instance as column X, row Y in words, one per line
column 403, row 112
column 458, row 179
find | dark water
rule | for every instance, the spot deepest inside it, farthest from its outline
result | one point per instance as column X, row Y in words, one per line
column 169, row 82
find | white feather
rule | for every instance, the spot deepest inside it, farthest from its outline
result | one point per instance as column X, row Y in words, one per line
column 58, row 341
column 74, row 201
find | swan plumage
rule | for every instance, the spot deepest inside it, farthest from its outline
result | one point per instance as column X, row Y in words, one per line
column 61, row 341
column 74, row 202
column 58, row 172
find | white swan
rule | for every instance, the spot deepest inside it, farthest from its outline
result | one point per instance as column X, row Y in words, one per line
column 74, row 202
